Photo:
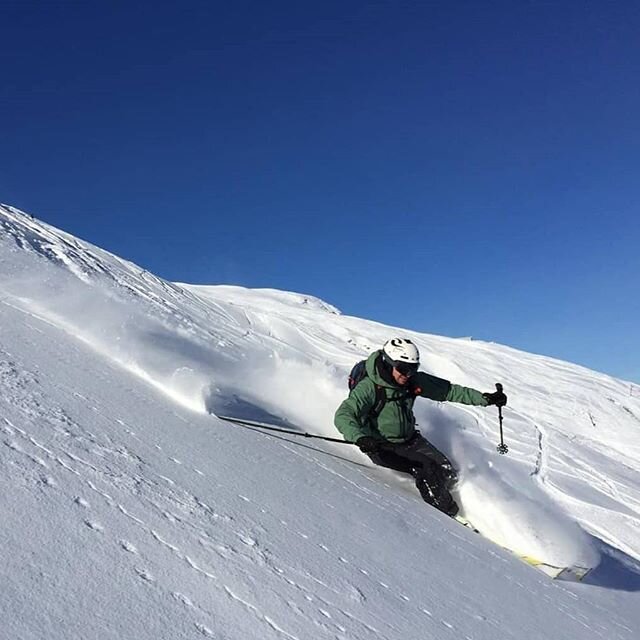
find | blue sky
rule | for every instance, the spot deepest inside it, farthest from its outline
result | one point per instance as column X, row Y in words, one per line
column 460, row 168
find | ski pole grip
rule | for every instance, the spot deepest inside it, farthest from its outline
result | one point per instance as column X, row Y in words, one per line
column 498, row 387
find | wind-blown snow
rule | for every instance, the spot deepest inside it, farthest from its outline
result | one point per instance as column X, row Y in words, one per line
column 129, row 511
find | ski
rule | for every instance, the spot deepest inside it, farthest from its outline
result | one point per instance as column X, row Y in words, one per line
column 570, row 573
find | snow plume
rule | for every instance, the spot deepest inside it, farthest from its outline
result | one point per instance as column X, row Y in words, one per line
column 100, row 308
column 125, row 314
column 498, row 495
column 517, row 514
column 124, row 332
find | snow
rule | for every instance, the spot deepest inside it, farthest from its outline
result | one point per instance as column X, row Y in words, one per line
column 128, row 510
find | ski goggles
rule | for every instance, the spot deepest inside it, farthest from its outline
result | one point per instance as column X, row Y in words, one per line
column 406, row 368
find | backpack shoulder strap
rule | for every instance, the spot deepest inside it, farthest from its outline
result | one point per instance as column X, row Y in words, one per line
column 381, row 400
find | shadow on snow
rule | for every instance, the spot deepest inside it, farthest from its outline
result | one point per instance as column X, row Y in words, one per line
column 616, row 570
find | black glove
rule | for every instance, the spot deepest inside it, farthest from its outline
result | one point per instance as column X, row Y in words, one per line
column 368, row 444
column 497, row 398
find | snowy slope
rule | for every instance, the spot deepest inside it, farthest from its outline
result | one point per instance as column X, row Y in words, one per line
column 128, row 511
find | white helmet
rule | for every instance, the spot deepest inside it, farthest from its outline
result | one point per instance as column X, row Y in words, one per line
column 399, row 350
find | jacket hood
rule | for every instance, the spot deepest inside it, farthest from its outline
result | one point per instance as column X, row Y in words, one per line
column 373, row 373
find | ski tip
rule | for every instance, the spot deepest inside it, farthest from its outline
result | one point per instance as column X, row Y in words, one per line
column 574, row 574
column 569, row 573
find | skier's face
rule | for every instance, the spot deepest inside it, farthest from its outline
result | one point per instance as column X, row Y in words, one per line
column 401, row 378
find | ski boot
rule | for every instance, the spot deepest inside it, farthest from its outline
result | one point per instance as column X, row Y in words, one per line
column 434, row 491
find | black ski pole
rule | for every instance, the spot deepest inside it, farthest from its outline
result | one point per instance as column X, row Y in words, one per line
column 502, row 448
column 266, row 427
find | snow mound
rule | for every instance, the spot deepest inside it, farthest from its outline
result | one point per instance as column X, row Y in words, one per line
column 265, row 299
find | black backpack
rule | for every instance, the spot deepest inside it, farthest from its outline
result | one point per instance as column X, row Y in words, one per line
column 358, row 373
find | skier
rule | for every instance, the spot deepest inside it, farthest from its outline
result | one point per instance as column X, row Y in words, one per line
column 377, row 416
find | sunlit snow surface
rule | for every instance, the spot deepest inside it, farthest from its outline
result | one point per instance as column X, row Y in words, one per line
column 129, row 511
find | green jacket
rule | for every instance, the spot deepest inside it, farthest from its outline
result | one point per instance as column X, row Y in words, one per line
column 396, row 421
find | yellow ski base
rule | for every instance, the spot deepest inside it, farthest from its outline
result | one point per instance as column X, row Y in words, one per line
column 573, row 574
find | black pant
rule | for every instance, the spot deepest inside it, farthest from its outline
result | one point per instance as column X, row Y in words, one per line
column 432, row 470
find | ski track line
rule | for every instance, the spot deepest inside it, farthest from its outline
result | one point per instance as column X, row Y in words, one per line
column 597, row 480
